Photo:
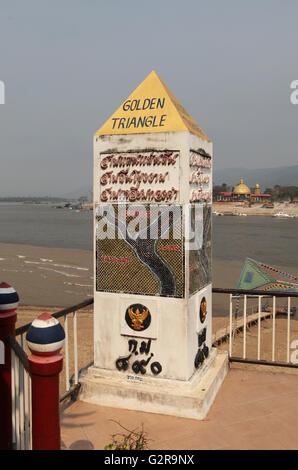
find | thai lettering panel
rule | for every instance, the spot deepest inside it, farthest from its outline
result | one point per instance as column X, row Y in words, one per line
column 139, row 176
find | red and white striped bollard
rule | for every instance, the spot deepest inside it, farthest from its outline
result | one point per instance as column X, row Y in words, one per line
column 45, row 338
column 9, row 300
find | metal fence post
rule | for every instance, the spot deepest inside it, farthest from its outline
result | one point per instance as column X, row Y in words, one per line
column 45, row 338
column 8, row 303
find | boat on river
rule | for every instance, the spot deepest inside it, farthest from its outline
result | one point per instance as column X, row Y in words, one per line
column 283, row 214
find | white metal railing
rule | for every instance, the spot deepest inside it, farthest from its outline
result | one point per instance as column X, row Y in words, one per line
column 71, row 379
column 70, row 383
column 238, row 300
column 21, row 397
column 21, row 380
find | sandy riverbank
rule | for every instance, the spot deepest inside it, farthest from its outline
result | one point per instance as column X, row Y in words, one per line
column 47, row 276
column 255, row 209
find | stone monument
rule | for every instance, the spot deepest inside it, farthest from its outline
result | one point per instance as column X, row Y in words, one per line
column 152, row 260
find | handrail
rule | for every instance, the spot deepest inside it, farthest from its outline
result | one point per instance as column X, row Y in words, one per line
column 263, row 362
column 19, row 351
column 219, row 290
column 60, row 313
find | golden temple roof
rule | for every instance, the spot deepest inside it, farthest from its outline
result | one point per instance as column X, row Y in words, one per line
column 241, row 188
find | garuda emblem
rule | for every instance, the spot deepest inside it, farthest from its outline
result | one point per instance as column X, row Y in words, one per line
column 203, row 309
column 138, row 317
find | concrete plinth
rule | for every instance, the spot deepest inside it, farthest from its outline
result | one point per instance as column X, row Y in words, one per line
column 187, row 399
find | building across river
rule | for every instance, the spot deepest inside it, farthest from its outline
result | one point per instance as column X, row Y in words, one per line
column 242, row 193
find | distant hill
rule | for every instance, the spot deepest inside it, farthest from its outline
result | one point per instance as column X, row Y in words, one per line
column 265, row 177
column 30, row 199
column 76, row 193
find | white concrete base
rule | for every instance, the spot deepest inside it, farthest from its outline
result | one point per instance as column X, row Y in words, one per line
column 187, row 399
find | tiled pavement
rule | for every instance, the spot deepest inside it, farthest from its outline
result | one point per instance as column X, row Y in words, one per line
column 253, row 410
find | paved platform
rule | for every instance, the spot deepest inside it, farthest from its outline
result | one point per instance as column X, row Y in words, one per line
column 253, row 410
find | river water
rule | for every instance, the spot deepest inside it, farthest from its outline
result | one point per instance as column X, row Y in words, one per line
column 269, row 239
column 46, row 253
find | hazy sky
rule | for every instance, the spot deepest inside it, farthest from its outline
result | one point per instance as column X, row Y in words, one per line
column 69, row 64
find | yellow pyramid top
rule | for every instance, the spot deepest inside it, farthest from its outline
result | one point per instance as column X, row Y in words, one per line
column 151, row 108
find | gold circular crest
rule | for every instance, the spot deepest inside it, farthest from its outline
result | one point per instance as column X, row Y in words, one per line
column 203, row 309
column 138, row 317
